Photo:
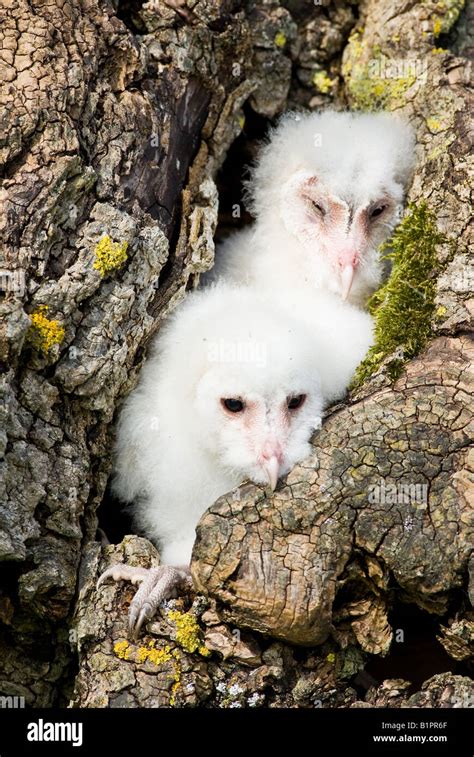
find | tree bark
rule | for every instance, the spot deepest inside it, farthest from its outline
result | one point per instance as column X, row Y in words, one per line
column 118, row 117
column 113, row 133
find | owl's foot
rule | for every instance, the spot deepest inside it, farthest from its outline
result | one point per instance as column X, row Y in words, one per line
column 156, row 585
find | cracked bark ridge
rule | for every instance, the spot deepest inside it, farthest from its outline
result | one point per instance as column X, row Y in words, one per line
column 242, row 669
column 106, row 132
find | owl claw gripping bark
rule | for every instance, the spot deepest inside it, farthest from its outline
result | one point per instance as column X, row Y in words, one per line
column 155, row 585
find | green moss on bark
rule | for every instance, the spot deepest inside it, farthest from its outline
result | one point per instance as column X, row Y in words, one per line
column 403, row 308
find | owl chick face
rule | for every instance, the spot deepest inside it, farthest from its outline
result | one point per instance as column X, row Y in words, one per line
column 340, row 233
column 256, row 430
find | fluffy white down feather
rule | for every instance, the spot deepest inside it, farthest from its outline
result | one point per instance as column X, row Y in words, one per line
column 178, row 450
column 314, row 191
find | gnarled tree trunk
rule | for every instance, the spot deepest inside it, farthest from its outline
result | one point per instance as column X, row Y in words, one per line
column 117, row 118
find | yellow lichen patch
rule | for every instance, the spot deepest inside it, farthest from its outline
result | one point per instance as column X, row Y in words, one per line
column 156, row 656
column 322, row 82
column 442, row 310
column 188, row 632
column 374, row 80
column 109, row 255
column 446, row 16
column 356, row 47
column 280, row 39
column 150, row 653
column 44, row 333
column 371, row 91
column 159, row 656
column 381, row 93
column 122, row 649
column 434, row 124
column 241, row 121
column 142, row 654
column 331, row 657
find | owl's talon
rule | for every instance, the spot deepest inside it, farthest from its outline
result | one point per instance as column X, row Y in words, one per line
column 156, row 585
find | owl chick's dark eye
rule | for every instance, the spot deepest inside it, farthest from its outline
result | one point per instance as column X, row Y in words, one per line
column 319, row 208
column 233, row 405
column 377, row 211
column 293, row 403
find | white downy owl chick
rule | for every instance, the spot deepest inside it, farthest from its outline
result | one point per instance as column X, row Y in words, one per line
column 326, row 191
column 233, row 388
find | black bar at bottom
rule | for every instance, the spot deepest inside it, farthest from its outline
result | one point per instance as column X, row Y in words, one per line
column 127, row 732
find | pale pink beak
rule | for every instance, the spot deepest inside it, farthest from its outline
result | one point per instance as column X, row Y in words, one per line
column 271, row 466
column 347, row 277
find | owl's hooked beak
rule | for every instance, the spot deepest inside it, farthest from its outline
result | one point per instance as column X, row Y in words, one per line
column 345, row 261
column 347, row 277
column 272, row 469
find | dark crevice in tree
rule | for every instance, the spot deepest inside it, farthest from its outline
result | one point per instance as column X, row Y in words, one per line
column 168, row 266
column 114, row 518
column 10, row 572
column 233, row 214
column 128, row 12
column 65, row 689
column 39, row 645
column 418, row 654
column 459, row 40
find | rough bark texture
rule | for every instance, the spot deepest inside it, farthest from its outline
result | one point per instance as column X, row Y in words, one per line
column 229, row 667
column 117, row 118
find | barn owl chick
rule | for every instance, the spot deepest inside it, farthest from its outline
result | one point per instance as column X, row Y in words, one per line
column 326, row 191
column 232, row 390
